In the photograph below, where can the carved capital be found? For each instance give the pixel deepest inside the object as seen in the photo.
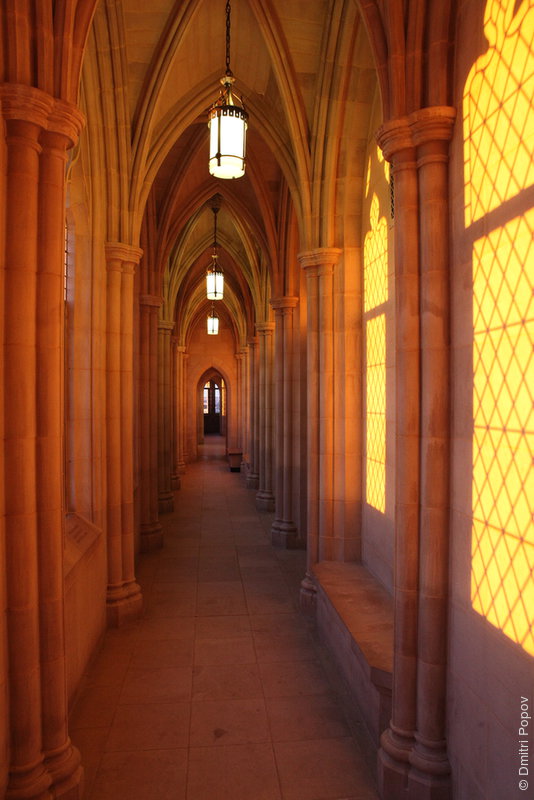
(319, 257)
(283, 303)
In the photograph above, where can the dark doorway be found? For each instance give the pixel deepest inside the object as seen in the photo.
(212, 407)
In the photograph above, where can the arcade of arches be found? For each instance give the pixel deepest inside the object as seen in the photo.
(371, 371)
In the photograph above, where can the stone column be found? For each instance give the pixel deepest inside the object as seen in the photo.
(245, 406)
(253, 363)
(283, 530)
(180, 408)
(397, 741)
(265, 497)
(238, 436)
(150, 526)
(319, 265)
(38, 129)
(175, 474)
(166, 496)
(430, 774)
(124, 595)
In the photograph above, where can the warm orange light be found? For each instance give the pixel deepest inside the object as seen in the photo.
(375, 296)
(498, 164)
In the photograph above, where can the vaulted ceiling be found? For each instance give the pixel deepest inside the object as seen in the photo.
(306, 75)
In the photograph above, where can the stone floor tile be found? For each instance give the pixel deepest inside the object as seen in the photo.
(226, 682)
(312, 717)
(142, 775)
(95, 707)
(230, 650)
(149, 726)
(172, 600)
(294, 678)
(222, 627)
(272, 647)
(239, 772)
(323, 769)
(163, 653)
(220, 597)
(165, 685)
(224, 722)
(156, 628)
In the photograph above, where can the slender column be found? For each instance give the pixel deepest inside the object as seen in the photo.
(398, 740)
(124, 595)
(61, 759)
(184, 415)
(265, 497)
(283, 530)
(25, 112)
(150, 526)
(253, 474)
(174, 399)
(245, 407)
(430, 774)
(180, 410)
(166, 497)
(238, 405)
(319, 265)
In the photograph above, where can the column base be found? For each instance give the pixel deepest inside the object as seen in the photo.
(29, 783)
(67, 772)
(308, 594)
(430, 773)
(166, 503)
(124, 604)
(175, 482)
(265, 501)
(253, 480)
(285, 535)
(181, 467)
(151, 537)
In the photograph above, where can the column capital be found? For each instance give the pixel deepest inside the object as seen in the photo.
(53, 115)
(152, 300)
(394, 136)
(319, 257)
(25, 103)
(252, 341)
(180, 348)
(432, 124)
(265, 328)
(166, 325)
(122, 257)
(283, 303)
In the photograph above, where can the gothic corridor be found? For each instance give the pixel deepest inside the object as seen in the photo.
(221, 689)
(266, 399)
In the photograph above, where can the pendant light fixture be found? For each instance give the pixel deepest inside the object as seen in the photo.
(227, 123)
(213, 322)
(214, 273)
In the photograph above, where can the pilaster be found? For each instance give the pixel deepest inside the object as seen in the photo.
(283, 531)
(265, 496)
(150, 526)
(319, 264)
(124, 594)
(39, 130)
(166, 496)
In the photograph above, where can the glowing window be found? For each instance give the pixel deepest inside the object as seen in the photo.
(375, 274)
(498, 145)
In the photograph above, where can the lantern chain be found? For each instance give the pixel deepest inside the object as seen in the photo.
(228, 70)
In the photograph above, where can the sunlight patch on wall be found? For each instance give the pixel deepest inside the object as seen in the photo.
(375, 296)
(498, 165)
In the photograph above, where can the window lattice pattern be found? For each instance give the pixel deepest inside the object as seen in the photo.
(375, 296)
(502, 585)
(376, 412)
(498, 111)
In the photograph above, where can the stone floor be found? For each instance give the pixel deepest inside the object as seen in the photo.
(221, 691)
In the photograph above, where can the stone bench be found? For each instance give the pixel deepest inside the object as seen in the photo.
(355, 621)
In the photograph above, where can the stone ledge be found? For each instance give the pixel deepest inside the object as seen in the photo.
(355, 619)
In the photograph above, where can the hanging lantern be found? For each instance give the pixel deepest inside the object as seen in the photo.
(214, 273)
(213, 322)
(227, 123)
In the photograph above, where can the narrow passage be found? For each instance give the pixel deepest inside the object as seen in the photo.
(221, 691)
